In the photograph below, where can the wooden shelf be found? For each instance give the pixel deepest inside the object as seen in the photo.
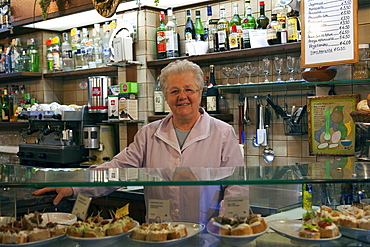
(231, 55)
(81, 72)
(224, 117)
(6, 77)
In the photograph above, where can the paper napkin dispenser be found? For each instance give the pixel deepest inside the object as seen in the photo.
(122, 49)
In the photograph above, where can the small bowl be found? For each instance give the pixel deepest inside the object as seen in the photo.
(319, 75)
(346, 143)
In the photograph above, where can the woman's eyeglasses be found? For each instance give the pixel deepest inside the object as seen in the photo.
(187, 91)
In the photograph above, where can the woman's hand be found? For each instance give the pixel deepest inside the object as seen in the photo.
(61, 191)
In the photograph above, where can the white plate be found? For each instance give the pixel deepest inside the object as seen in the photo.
(291, 228)
(37, 243)
(234, 240)
(103, 241)
(356, 233)
(60, 218)
(192, 229)
(341, 208)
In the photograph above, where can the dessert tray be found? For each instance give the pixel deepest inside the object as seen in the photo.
(102, 241)
(291, 228)
(234, 240)
(191, 227)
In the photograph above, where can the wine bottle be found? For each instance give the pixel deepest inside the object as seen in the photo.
(199, 30)
(272, 30)
(161, 37)
(158, 97)
(172, 49)
(223, 30)
(249, 22)
(262, 20)
(189, 27)
(212, 92)
(236, 20)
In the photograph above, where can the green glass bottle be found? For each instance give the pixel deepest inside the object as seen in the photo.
(223, 30)
(236, 20)
(262, 20)
(199, 30)
(249, 22)
(161, 37)
(33, 53)
(5, 106)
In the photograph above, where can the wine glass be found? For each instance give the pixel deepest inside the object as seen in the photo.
(266, 67)
(238, 70)
(290, 62)
(278, 63)
(249, 68)
(227, 71)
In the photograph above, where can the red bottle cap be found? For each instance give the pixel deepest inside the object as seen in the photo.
(262, 3)
(233, 29)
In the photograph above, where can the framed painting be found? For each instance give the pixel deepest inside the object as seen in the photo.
(331, 130)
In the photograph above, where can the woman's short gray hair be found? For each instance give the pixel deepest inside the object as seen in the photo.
(181, 67)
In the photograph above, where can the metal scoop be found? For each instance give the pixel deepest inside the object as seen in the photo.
(267, 153)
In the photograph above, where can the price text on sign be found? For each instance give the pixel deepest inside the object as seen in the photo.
(329, 32)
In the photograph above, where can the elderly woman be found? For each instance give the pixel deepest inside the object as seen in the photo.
(187, 138)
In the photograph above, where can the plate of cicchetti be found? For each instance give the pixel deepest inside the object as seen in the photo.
(31, 230)
(165, 233)
(238, 230)
(96, 231)
(315, 227)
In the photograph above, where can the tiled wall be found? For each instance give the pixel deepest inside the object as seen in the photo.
(288, 149)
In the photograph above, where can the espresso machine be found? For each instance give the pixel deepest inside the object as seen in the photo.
(100, 142)
(55, 139)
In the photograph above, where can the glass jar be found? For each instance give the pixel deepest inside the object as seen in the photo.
(362, 68)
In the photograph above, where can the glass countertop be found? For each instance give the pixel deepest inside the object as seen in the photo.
(342, 170)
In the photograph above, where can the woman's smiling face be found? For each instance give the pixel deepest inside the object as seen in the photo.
(183, 95)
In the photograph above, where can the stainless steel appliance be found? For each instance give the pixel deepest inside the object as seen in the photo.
(98, 93)
(55, 140)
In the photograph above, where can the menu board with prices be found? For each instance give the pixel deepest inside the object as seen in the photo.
(329, 32)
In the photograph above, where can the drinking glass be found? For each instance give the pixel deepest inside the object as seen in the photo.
(249, 68)
(238, 70)
(278, 63)
(290, 62)
(266, 67)
(227, 71)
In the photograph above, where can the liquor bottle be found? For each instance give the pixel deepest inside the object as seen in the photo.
(84, 42)
(106, 39)
(247, 5)
(49, 54)
(262, 20)
(208, 30)
(199, 29)
(13, 103)
(25, 61)
(174, 20)
(98, 45)
(7, 59)
(78, 57)
(249, 22)
(189, 27)
(236, 20)
(235, 42)
(282, 34)
(280, 11)
(203, 102)
(90, 53)
(172, 49)
(307, 196)
(2, 61)
(212, 92)
(158, 97)
(33, 53)
(56, 54)
(223, 30)
(67, 59)
(5, 105)
(161, 37)
(16, 53)
(272, 29)
(292, 26)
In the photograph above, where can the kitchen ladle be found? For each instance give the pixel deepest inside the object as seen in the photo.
(267, 153)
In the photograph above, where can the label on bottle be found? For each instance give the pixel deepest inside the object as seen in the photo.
(171, 37)
(307, 196)
(188, 36)
(211, 103)
(158, 102)
(222, 39)
(284, 37)
(56, 61)
(233, 38)
(271, 34)
(161, 42)
(292, 29)
(246, 34)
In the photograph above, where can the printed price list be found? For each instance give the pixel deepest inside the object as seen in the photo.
(329, 31)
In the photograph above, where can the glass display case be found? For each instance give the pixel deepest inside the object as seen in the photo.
(336, 182)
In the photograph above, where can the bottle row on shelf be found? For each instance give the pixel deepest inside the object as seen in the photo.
(220, 34)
